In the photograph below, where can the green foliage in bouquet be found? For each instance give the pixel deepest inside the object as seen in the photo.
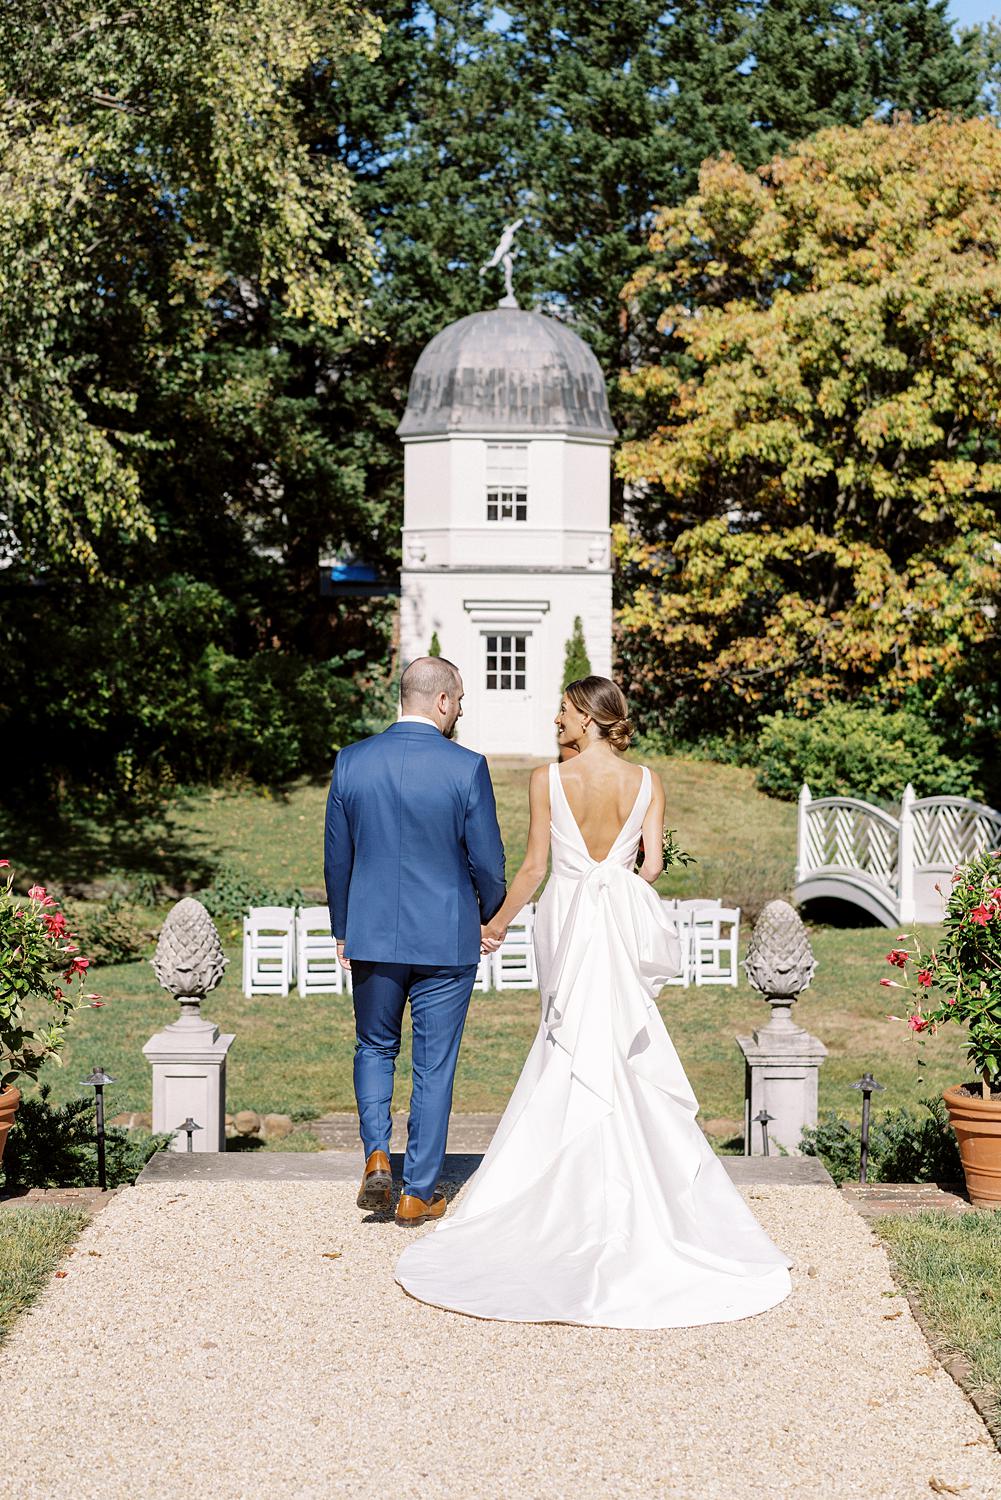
(672, 851)
(40, 962)
(960, 980)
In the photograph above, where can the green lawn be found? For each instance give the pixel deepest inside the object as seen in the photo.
(952, 1264)
(32, 1242)
(295, 1055)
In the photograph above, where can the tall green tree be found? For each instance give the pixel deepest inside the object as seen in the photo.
(822, 464)
(163, 213)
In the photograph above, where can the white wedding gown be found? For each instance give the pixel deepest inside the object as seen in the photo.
(599, 1201)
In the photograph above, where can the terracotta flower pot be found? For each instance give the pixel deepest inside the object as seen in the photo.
(10, 1098)
(977, 1123)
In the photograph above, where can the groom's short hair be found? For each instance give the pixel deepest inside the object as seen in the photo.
(428, 676)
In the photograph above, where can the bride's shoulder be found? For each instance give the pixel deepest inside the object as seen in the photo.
(654, 776)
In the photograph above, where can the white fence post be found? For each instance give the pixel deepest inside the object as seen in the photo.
(905, 857)
(805, 799)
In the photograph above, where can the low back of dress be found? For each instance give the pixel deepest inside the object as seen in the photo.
(571, 858)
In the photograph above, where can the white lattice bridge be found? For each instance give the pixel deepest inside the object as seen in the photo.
(847, 850)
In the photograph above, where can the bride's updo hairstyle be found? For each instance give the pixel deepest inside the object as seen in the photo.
(605, 703)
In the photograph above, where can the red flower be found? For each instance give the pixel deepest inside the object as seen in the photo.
(4, 864)
(981, 915)
(96, 1004)
(897, 956)
(36, 893)
(55, 923)
(925, 978)
(891, 984)
(78, 966)
(917, 1023)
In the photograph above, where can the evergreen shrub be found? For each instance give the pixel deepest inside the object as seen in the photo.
(849, 750)
(903, 1146)
(57, 1147)
(232, 892)
(111, 933)
(576, 662)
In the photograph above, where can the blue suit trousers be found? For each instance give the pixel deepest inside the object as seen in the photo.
(439, 999)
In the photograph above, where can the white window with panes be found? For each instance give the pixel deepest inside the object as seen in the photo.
(507, 482)
(506, 660)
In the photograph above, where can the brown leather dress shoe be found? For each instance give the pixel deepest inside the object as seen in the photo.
(376, 1191)
(411, 1210)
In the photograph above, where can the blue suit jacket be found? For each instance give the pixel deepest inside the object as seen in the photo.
(413, 858)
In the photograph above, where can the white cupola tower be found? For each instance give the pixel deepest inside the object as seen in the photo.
(506, 518)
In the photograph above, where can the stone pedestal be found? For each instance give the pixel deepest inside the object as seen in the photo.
(781, 1066)
(189, 1079)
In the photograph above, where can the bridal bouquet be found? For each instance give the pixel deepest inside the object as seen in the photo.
(960, 980)
(671, 851)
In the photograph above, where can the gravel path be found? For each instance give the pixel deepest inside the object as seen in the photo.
(231, 1340)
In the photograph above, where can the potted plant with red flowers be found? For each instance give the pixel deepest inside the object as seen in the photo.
(960, 981)
(42, 973)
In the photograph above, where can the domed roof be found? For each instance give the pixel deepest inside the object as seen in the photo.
(507, 370)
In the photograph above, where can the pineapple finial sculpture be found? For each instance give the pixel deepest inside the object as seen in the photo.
(189, 961)
(780, 962)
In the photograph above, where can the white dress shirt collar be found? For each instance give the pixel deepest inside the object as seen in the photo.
(417, 719)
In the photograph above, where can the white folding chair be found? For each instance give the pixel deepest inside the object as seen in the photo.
(716, 951)
(268, 950)
(316, 962)
(514, 961)
(681, 922)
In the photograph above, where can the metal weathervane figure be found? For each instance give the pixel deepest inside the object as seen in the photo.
(504, 256)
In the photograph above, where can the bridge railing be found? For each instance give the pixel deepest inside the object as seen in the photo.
(948, 830)
(845, 836)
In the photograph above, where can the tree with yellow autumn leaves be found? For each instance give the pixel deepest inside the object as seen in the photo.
(813, 508)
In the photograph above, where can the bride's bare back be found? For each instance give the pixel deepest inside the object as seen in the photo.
(601, 791)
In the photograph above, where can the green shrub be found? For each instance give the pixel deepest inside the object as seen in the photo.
(111, 933)
(50, 1147)
(847, 750)
(903, 1147)
(749, 882)
(233, 891)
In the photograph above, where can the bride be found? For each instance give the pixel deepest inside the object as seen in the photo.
(599, 1201)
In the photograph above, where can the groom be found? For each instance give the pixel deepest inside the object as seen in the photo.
(414, 865)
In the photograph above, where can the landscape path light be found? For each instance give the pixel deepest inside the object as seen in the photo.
(868, 1086)
(764, 1119)
(97, 1081)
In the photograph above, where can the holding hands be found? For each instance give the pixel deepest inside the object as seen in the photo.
(491, 936)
